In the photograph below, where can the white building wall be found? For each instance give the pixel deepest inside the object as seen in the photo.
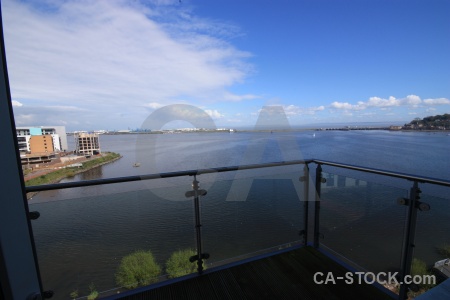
(56, 143)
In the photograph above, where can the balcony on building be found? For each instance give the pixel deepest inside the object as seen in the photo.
(273, 230)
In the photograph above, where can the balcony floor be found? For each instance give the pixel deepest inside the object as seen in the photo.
(287, 275)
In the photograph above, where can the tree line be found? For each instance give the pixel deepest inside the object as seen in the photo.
(438, 122)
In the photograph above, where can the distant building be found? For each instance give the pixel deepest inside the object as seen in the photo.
(26, 136)
(392, 127)
(87, 143)
(101, 131)
(41, 144)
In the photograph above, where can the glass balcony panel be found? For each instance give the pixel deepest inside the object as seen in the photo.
(258, 211)
(432, 242)
(80, 242)
(362, 222)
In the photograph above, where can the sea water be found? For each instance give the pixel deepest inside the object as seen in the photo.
(83, 233)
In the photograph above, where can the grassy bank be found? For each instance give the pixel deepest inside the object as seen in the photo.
(60, 174)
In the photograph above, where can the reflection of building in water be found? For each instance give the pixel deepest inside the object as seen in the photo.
(87, 143)
(333, 181)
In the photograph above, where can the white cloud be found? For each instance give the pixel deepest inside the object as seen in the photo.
(62, 122)
(290, 110)
(345, 106)
(411, 101)
(154, 105)
(16, 103)
(65, 108)
(236, 98)
(293, 110)
(118, 54)
(214, 113)
(24, 119)
(379, 102)
(438, 101)
(234, 120)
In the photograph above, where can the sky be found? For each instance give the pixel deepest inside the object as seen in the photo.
(91, 65)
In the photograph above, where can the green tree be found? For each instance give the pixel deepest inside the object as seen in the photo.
(419, 268)
(93, 292)
(137, 269)
(179, 265)
(74, 294)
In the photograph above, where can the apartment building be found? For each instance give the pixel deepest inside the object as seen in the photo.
(87, 143)
(34, 134)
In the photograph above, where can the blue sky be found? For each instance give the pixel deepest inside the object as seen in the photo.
(109, 64)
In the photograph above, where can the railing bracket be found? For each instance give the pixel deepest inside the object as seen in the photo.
(189, 194)
(195, 257)
(422, 206)
(403, 201)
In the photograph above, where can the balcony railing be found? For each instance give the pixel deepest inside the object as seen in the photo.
(372, 220)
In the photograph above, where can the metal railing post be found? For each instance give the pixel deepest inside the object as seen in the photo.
(317, 205)
(196, 193)
(408, 241)
(305, 180)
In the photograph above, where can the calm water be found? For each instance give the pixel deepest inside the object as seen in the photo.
(83, 233)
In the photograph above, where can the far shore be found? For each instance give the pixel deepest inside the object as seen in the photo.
(174, 131)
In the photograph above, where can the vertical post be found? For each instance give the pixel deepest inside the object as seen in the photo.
(317, 205)
(408, 241)
(305, 180)
(198, 225)
(196, 193)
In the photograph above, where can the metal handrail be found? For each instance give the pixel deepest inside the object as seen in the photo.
(410, 177)
(65, 185)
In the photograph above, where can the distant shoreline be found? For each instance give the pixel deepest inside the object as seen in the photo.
(279, 130)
